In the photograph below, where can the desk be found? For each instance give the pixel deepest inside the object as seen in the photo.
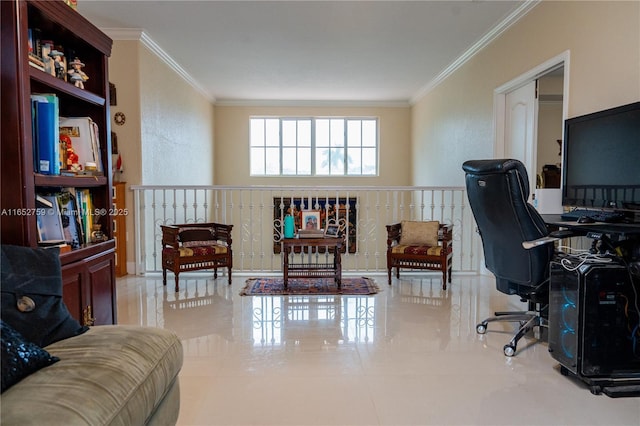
(614, 229)
(311, 269)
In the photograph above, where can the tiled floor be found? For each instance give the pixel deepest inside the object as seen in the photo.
(409, 355)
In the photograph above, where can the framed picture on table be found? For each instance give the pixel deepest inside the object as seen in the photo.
(311, 220)
(333, 230)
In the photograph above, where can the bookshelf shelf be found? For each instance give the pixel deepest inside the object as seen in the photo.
(62, 86)
(88, 271)
(69, 181)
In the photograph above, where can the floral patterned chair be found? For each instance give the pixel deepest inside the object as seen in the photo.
(196, 246)
(420, 245)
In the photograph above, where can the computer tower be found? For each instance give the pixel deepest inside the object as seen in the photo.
(593, 322)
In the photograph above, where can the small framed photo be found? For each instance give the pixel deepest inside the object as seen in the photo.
(333, 230)
(311, 220)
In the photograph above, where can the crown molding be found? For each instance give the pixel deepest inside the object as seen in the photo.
(311, 103)
(489, 37)
(140, 35)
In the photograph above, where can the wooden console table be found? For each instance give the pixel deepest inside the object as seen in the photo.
(311, 247)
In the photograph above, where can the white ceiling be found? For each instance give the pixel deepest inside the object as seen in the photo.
(333, 51)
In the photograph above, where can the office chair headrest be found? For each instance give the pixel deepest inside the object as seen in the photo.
(498, 166)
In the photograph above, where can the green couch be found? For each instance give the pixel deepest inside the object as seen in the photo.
(109, 375)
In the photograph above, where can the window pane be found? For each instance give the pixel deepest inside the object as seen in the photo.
(273, 132)
(304, 161)
(288, 161)
(256, 130)
(322, 161)
(337, 161)
(337, 132)
(289, 133)
(273, 161)
(353, 133)
(322, 132)
(369, 133)
(257, 161)
(369, 161)
(354, 164)
(304, 133)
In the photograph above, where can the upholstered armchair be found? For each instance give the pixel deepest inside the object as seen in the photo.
(420, 245)
(196, 246)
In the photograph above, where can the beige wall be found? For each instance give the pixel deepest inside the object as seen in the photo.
(177, 127)
(167, 138)
(232, 145)
(454, 122)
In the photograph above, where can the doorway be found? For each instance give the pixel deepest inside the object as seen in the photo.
(525, 131)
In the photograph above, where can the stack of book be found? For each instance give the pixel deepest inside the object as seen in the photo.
(53, 157)
(310, 233)
(65, 217)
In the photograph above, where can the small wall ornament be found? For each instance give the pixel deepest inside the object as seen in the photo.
(119, 118)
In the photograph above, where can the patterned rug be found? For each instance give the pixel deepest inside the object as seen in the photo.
(308, 286)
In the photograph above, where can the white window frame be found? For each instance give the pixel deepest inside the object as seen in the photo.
(264, 148)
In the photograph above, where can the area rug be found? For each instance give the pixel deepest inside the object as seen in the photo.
(309, 286)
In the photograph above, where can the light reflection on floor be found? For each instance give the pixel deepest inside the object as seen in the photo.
(407, 355)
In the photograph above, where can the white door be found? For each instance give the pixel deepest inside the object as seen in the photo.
(521, 110)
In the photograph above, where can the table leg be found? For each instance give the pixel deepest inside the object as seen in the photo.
(286, 268)
(337, 264)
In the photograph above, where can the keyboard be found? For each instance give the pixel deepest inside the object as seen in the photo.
(597, 215)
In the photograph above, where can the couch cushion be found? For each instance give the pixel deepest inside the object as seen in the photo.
(111, 375)
(31, 281)
(418, 233)
(20, 357)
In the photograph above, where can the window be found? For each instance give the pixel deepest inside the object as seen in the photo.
(313, 146)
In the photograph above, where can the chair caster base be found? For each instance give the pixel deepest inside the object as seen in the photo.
(481, 328)
(509, 350)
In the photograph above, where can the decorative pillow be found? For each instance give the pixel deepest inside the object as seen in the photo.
(194, 237)
(20, 357)
(31, 284)
(415, 233)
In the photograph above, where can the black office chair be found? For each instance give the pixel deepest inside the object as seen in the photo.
(498, 191)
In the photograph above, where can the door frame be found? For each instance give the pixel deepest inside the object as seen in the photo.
(500, 96)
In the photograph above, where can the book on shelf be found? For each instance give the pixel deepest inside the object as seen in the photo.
(45, 131)
(84, 202)
(49, 220)
(60, 218)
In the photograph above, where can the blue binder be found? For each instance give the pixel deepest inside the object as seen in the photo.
(46, 136)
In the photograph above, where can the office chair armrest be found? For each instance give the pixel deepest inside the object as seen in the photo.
(553, 236)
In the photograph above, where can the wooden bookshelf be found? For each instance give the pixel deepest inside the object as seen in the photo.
(88, 270)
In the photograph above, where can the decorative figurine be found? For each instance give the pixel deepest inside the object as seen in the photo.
(72, 158)
(57, 63)
(76, 75)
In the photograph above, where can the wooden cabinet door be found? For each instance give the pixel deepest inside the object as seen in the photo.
(101, 272)
(74, 283)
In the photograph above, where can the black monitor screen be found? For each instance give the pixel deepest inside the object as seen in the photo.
(601, 162)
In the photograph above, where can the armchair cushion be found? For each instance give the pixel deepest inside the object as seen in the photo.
(207, 250)
(417, 233)
(194, 237)
(420, 250)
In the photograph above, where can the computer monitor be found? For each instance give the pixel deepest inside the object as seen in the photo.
(601, 160)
